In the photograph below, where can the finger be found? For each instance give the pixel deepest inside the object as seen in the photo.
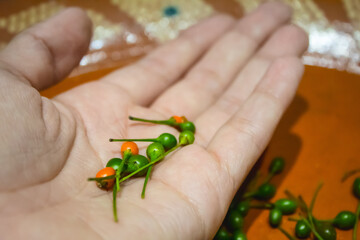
(146, 79)
(209, 180)
(243, 138)
(47, 52)
(276, 47)
(215, 71)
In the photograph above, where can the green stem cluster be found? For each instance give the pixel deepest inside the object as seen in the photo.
(306, 224)
(262, 193)
(135, 165)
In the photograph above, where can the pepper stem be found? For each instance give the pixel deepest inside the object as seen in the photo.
(314, 197)
(101, 178)
(269, 177)
(117, 178)
(165, 122)
(310, 210)
(127, 155)
(294, 219)
(248, 194)
(133, 140)
(262, 206)
(349, 174)
(357, 214)
(115, 190)
(146, 181)
(327, 221)
(286, 233)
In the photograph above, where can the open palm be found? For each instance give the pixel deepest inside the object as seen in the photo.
(233, 79)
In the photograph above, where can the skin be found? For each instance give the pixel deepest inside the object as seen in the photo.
(235, 94)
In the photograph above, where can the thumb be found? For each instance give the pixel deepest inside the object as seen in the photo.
(34, 145)
(46, 53)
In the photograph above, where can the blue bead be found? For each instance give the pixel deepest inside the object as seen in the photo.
(171, 11)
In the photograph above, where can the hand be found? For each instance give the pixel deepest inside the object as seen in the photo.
(240, 77)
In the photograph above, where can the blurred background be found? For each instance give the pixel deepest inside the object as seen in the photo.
(319, 135)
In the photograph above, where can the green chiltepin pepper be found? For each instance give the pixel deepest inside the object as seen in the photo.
(115, 163)
(187, 126)
(286, 206)
(325, 229)
(155, 150)
(239, 235)
(302, 230)
(275, 217)
(135, 162)
(186, 138)
(243, 207)
(265, 191)
(277, 165)
(345, 220)
(234, 220)
(222, 234)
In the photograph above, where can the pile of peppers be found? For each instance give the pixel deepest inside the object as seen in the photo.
(307, 226)
(133, 164)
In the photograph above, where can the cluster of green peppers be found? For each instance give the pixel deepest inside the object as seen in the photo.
(118, 170)
(307, 226)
